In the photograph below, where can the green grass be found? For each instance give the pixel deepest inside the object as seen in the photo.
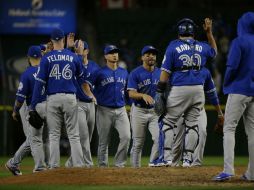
(27, 164)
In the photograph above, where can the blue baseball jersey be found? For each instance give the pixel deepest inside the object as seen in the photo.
(209, 87)
(59, 69)
(89, 69)
(145, 82)
(26, 86)
(110, 86)
(239, 75)
(186, 53)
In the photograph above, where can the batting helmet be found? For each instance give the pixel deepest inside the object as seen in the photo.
(186, 27)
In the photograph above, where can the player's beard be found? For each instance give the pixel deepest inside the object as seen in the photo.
(151, 62)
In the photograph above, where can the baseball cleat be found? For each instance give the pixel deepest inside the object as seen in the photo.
(222, 177)
(167, 163)
(186, 163)
(159, 164)
(244, 178)
(13, 169)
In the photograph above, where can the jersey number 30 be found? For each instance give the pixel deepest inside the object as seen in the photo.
(66, 73)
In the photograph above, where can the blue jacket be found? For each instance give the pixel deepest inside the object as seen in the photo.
(239, 76)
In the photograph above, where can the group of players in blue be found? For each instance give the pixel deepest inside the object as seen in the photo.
(64, 87)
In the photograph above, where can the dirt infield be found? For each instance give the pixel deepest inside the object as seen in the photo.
(129, 176)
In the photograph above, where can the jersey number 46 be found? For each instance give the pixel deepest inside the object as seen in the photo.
(66, 73)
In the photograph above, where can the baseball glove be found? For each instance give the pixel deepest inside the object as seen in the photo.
(160, 104)
(35, 120)
(218, 128)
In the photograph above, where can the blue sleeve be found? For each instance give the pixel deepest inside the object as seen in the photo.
(91, 79)
(132, 82)
(211, 53)
(23, 90)
(40, 82)
(167, 63)
(233, 62)
(210, 90)
(80, 71)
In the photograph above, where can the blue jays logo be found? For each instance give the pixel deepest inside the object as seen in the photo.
(37, 4)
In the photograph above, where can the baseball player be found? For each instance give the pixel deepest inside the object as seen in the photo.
(238, 84)
(183, 60)
(33, 142)
(58, 70)
(110, 91)
(86, 110)
(142, 88)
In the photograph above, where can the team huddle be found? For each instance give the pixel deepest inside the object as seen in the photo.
(62, 88)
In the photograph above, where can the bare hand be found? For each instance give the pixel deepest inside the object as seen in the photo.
(49, 47)
(148, 99)
(79, 49)
(70, 40)
(15, 116)
(208, 25)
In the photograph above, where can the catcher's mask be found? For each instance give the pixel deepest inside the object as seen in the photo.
(186, 27)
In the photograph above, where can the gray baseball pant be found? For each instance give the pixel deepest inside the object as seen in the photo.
(86, 122)
(62, 109)
(237, 106)
(117, 118)
(187, 100)
(141, 119)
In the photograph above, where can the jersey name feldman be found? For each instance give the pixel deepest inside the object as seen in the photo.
(186, 47)
(112, 79)
(53, 58)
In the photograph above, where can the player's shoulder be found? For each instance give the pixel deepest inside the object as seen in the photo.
(122, 70)
(137, 70)
(93, 63)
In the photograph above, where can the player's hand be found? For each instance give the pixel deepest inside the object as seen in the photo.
(148, 99)
(218, 128)
(49, 47)
(79, 47)
(16, 116)
(70, 40)
(208, 25)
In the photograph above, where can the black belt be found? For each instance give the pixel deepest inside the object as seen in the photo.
(142, 106)
(187, 68)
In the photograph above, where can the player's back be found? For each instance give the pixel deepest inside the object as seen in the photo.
(63, 66)
(240, 65)
(184, 58)
(27, 83)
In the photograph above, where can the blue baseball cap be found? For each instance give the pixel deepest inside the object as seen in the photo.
(57, 34)
(34, 51)
(43, 47)
(86, 45)
(149, 48)
(110, 49)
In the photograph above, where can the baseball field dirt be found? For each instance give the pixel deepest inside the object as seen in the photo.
(199, 176)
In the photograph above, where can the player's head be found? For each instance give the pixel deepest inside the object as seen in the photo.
(149, 54)
(186, 27)
(111, 53)
(57, 36)
(34, 55)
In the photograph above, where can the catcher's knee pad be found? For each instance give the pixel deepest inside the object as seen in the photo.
(188, 130)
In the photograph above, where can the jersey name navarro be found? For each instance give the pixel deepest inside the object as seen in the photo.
(186, 47)
(53, 58)
(112, 80)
